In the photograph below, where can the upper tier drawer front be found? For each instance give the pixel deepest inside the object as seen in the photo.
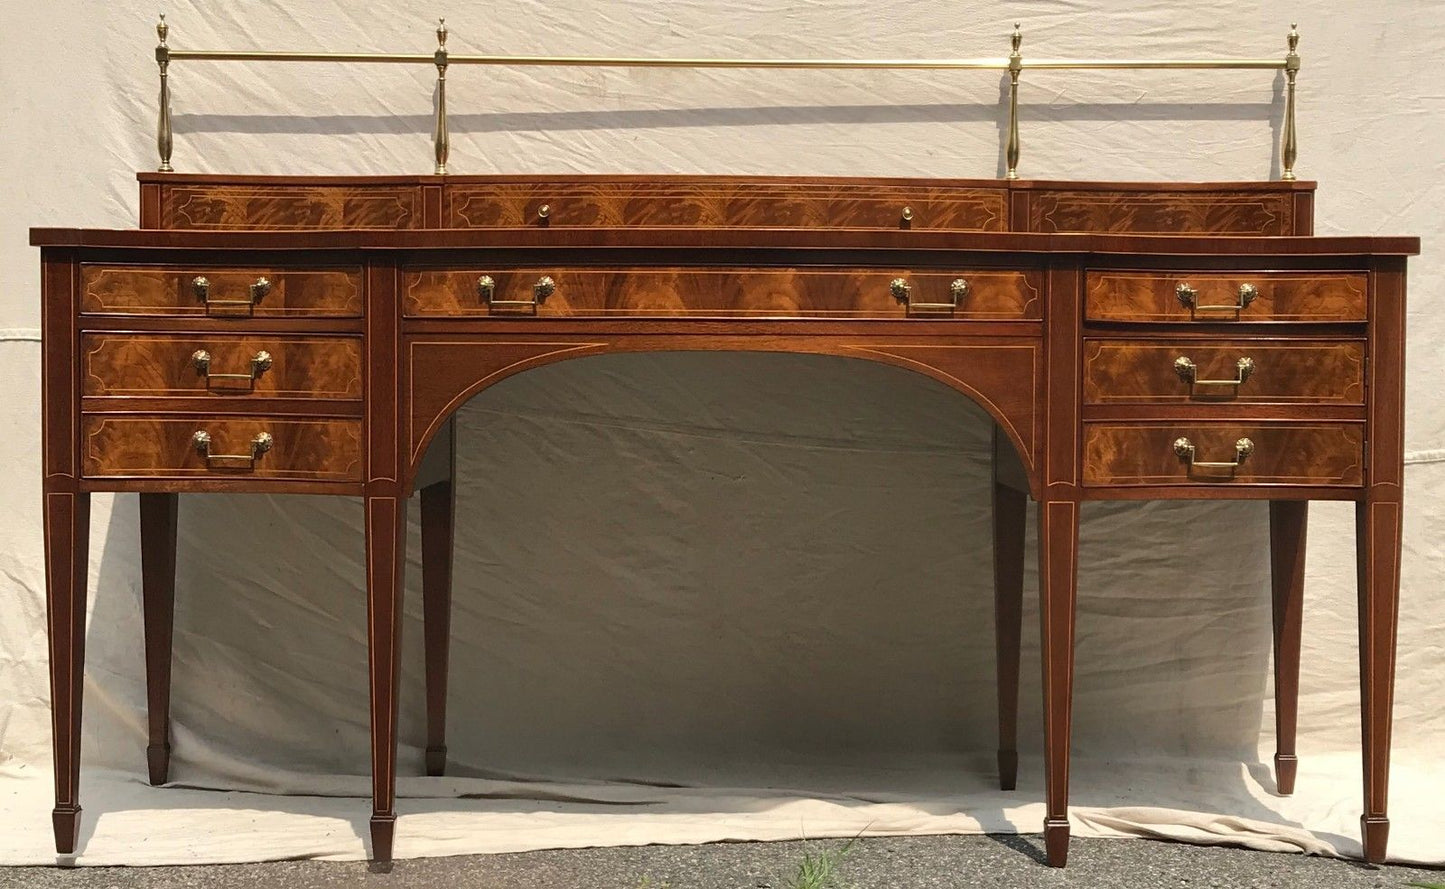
(735, 205)
(1226, 296)
(1130, 371)
(289, 206)
(735, 292)
(226, 292)
(131, 364)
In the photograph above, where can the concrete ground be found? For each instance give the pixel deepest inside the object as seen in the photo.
(1006, 862)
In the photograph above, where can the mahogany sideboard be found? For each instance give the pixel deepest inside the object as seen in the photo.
(316, 335)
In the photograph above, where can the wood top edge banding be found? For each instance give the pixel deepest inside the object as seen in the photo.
(565, 238)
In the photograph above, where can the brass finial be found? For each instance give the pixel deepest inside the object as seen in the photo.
(1015, 67)
(1291, 73)
(163, 118)
(441, 141)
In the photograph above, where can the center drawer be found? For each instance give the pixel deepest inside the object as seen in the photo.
(262, 366)
(979, 294)
(721, 203)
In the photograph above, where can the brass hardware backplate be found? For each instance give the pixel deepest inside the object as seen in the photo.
(262, 443)
(1189, 373)
(487, 289)
(1189, 298)
(1184, 449)
(903, 292)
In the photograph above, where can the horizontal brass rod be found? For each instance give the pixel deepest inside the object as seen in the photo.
(581, 61)
(605, 62)
(622, 62)
(258, 56)
(1083, 64)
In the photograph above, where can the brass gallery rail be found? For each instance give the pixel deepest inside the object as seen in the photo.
(1014, 63)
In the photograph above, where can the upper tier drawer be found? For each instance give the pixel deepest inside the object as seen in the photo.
(283, 204)
(228, 292)
(131, 364)
(1225, 296)
(1131, 371)
(723, 204)
(734, 292)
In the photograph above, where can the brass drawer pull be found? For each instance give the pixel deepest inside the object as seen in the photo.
(543, 212)
(1184, 450)
(201, 286)
(487, 288)
(903, 292)
(1189, 298)
(260, 363)
(1187, 371)
(201, 441)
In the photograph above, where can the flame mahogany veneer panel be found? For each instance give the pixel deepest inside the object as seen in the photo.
(724, 204)
(124, 289)
(1281, 296)
(1120, 371)
(128, 446)
(163, 365)
(1284, 453)
(1163, 212)
(285, 206)
(993, 294)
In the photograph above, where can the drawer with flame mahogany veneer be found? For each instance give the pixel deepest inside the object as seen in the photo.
(264, 366)
(655, 201)
(1224, 453)
(129, 446)
(990, 294)
(1307, 296)
(1134, 371)
(228, 291)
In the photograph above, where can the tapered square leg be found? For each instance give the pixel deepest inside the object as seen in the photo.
(1056, 841)
(1375, 837)
(158, 597)
(438, 506)
(385, 563)
(1286, 767)
(1377, 535)
(66, 822)
(436, 760)
(1058, 562)
(1287, 526)
(67, 536)
(1009, 514)
(383, 831)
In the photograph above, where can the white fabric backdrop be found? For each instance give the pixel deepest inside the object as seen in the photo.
(707, 597)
